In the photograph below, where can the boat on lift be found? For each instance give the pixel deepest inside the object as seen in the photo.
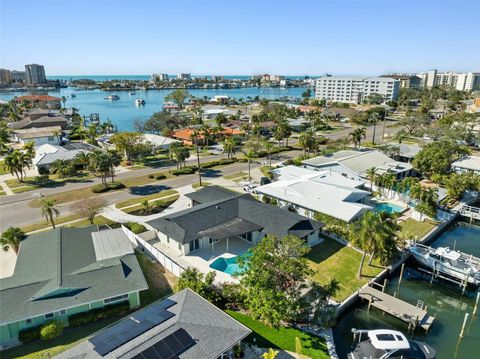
(140, 101)
(388, 344)
(112, 97)
(452, 263)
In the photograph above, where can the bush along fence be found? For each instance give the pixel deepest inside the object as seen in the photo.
(168, 263)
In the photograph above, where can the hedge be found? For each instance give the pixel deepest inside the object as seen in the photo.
(136, 228)
(100, 188)
(29, 335)
(51, 330)
(117, 309)
(160, 177)
(184, 171)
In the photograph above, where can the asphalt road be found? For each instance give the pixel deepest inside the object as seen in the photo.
(15, 211)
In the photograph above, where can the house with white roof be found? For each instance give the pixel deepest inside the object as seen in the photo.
(158, 141)
(308, 192)
(39, 136)
(46, 154)
(355, 164)
(467, 164)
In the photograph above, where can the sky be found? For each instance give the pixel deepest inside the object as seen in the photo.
(230, 37)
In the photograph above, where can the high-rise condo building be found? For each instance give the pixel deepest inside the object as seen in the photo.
(462, 81)
(406, 80)
(355, 89)
(35, 74)
(19, 76)
(5, 77)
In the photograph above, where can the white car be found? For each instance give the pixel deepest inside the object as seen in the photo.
(249, 188)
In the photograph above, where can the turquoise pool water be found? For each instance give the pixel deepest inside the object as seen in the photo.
(388, 207)
(227, 265)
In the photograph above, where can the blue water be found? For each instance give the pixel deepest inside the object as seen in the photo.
(388, 207)
(227, 265)
(124, 112)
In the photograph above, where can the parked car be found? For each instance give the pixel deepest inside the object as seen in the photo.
(264, 181)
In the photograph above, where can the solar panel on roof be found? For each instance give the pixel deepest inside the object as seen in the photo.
(169, 347)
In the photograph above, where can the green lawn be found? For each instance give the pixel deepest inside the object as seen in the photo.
(331, 259)
(138, 200)
(282, 338)
(197, 184)
(415, 229)
(3, 171)
(235, 176)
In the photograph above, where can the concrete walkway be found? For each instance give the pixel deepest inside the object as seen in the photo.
(6, 189)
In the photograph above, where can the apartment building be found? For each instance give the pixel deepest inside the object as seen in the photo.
(5, 77)
(407, 81)
(462, 81)
(35, 74)
(355, 89)
(19, 76)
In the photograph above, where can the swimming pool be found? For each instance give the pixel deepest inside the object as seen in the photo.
(227, 265)
(388, 207)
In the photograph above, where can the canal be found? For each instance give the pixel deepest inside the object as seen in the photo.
(443, 299)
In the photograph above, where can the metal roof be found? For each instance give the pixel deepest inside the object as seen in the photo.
(111, 244)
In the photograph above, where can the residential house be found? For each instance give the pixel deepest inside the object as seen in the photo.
(46, 154)
(40, 136)
(467, 164)
(185, 134)
(159, 142)
(65, 271)
(406, 152)
(308, 192)
(355, 164)
(42, 101)
(38, 118)
(184, 326)
(222, 217)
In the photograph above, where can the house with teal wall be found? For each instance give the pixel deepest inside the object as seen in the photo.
(65, 271)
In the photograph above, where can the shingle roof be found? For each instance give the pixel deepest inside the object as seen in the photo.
(59, 261)
(187, 225)
(213, 331)
(211, 193)
(36, 132)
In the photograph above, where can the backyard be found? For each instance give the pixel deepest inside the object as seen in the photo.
(415, 229)
(282, 338)
(332, 260)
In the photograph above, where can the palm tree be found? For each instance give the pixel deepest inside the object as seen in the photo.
(82, 159)
(249, 156)
(64, 99)
(49, 210)
(400, 136)
(16, 162)
(305, 141)
(371, 175)
(229, 146)
(362, 236)
(62, 168)
(373, 118)
(268, 146)
(357, 135)
(195, 136)
(29, 150)
(11, 239)
(58, 134)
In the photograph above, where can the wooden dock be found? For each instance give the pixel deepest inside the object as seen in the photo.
(415, 316)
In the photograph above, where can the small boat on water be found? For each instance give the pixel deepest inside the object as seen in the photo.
(391, 344)
(73, 95)
(132, 93)
(140, 101)
(112, 97)
(455, 264)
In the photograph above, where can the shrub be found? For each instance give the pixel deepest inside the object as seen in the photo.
(51, 330)
(117, 309)
(136, 228)
(184, 171)
(100, 188)
(151, 175)
(160, 177)
(29, 335)
(242, 160)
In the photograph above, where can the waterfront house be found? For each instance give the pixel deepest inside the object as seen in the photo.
(65, 271)
(183, 325)
(306, 192)
(226, 219)
(42, 101)
(39, 136)
(467, 164)
(355, 164)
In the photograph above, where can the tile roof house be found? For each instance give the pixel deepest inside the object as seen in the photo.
(220, 219)
(43, 101)
(183, 326)
(65, 271)
(355, 164)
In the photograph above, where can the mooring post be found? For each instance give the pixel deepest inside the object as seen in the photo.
(454, 244)
(401, 273)
(384, 285)
(464, 324)
(476, 303)
(465, 285)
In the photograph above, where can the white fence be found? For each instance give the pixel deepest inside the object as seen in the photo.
(163, 259)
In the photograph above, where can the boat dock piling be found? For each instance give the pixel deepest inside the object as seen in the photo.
(413, 315)
(465, 319)
(476, 304)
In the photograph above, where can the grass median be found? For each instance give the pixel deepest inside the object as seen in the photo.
(132, 201)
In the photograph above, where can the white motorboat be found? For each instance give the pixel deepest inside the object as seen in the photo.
(112, 97)
(444, 260)
(391, 344)
(140, 101)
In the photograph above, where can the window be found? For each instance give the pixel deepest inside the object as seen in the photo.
(63, 312)
(115, 299)
(49, 315)
(50, 138)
